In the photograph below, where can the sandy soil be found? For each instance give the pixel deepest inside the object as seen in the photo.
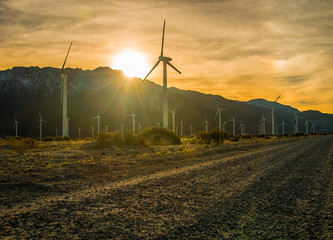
(272, 190)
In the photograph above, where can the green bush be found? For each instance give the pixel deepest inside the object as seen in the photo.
(159, 136)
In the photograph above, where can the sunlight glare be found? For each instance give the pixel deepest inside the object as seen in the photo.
(132, 63)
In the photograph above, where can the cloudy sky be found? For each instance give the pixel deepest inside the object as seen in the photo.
(240, 49)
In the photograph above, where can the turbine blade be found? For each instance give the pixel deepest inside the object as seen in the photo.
(63, 66)
(277, 98)
(173, 67)
(163, 39)
(156, 64)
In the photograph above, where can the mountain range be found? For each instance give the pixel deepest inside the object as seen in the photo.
(26, 91)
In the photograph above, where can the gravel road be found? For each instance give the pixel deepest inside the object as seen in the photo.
(275, 191)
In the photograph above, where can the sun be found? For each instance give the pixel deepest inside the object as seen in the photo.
(132, 63)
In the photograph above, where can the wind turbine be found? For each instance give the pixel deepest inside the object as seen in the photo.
(307, 126)
(242, 128)
(41, 126)
(313, 128)
(133, 121)
(218, 112)
(296, 123)
(206, 124)
(173, 112)
(225, 122)
(263, 125)
(98, 117)
(233, 125)
(191, 129)
(139, 127)
(79, 132)
(16, 126)
(92, 131)
(166, 61)
(283, 125)
(273, 118)
(181, 127)
(65, 122)
(122, 131)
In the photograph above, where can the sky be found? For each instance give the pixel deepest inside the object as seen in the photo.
(239, 49)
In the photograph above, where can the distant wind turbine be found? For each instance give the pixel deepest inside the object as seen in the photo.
(307, 126)
(273, 117)
(41, 126)
(133, 121)
(313, 128)
(92, 131)
(242, 128)
(79, 132)
(16, 127)
(296, 123)
(98, 117)
(173, 112)
(283, 126)
(263, 125)
(206, 123)
(218, 112)
(225, 122)
(122, 131)
(181, 127)
(65, 123)
(233, 125)
(166, 61)
(191, 130)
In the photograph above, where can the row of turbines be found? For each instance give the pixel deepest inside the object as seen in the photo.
(166, 62)
(136, 127)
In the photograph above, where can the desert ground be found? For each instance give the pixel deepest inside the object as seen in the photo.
(276, 189)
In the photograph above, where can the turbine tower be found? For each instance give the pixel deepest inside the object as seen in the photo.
(263, 125)
(181, 127)
(41, 126)
(98, 117)
(166, 61)
(218, 112)
(307, 126)
(283, 125)
(233, 125)
(273, 118)
(173, 112)
(296, 123)
(206, 124)
(191, 130)
(65, 122)
(16, 126)
(242, 128)
(133, 121)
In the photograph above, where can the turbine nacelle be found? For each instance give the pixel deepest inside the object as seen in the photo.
(164, 59)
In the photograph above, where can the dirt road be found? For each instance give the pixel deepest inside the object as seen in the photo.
(282, 190)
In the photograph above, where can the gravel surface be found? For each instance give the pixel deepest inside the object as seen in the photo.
(278, 190)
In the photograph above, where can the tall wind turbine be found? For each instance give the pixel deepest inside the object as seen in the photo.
(98, 117)
(173, 112)
(133, 121)
(273, 118)
(41, 126)
(218, 112)
(166, 61)
(16, 126)
(65, 122)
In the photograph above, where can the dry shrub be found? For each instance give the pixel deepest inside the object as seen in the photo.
(21, 145)
(160, 136)
(214, 136)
